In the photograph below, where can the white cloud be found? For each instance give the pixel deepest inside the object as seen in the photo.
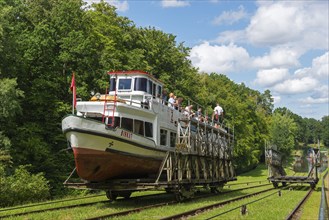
(310, 100)
(174, 3)
(271, 77)
(119, 5)
(220, 59)
(296, 86)
(318, 70)
(302, 24)
(320, 66)
(230, 17)
(319, 96)
(278, 57)
(231, 37)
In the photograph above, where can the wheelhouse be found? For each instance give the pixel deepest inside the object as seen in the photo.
(135, 83)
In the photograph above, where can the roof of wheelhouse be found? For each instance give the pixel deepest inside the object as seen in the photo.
(135, 72)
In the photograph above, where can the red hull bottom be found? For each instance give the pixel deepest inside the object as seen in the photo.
(94, 165)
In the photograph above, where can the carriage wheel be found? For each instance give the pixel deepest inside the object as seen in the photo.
(112, 196)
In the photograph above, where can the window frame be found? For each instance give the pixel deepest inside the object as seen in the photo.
(124, 79)
(161, 139)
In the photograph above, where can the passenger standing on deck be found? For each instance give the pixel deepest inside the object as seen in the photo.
(218, 111)
(176, 103)
(179, 103)
(164, 96)
(199, 114)
(188, 111)
(171, 100)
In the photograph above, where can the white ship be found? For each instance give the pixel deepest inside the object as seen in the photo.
(125, 133)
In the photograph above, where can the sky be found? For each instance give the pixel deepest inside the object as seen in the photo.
(282, 46)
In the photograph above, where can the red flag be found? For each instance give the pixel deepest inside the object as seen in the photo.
(73, 89)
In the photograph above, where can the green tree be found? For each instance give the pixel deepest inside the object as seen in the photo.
(325, 130)
(22, 187)
(283, 132)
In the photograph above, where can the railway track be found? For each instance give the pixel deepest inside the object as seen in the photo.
(245, 183)
(199, 210)
(127, 212)
(49, 203)
(240, 206)
(66, 206)
(294, 213)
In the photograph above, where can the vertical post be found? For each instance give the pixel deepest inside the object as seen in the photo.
(73, 89)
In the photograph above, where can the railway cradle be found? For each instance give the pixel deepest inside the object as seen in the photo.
(277, 174)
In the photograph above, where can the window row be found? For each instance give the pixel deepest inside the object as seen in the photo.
(136, 126)
(167, 137)
(140, 84)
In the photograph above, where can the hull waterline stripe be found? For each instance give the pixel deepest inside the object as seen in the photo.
(132, 155)
(112, 137)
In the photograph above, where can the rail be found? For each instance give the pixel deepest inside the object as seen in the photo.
(299, 205)
(323, 210)
(154, 104)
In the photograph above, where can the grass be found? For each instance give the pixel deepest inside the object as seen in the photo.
(311, 209)
(273, 207)
(68, 212)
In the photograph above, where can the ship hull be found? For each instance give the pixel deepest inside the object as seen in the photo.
(101, 154)
(95, 165)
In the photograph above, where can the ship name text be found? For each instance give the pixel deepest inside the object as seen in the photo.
(126, 134)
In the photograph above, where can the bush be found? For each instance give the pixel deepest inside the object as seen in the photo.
(22, 187)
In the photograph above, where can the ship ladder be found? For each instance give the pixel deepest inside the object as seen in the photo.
(109, 108)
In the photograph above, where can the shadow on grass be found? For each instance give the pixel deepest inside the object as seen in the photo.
(260, 170)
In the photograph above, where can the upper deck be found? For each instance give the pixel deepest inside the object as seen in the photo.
(139, 84)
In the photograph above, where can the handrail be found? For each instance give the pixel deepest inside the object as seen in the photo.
(323, 210)
(148, 105)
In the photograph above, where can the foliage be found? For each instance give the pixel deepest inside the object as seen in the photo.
(43, 41)
(325, 130)
(282, 132)
(22, 186)
(9, 99)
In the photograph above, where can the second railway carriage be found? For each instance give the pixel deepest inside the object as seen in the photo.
(130, 139)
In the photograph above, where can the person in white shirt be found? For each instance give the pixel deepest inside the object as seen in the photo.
(188, 110)
(171, 100)
(218, 111)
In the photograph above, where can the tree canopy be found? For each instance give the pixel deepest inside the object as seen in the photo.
(43, 41)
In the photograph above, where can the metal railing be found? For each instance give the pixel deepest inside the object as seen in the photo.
(323, 210)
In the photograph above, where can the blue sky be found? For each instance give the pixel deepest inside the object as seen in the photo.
(277, 45)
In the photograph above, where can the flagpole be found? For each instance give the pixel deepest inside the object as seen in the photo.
(73, 89)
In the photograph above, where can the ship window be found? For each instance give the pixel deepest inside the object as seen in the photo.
(139, 127)
(172, 139)
(116, 122)
(112, 84)
(127, 123)
(159, 91)
(163, 137)
(148, 129)
(140, 84)
(124, 84)
(154, 89)
(149, 87)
